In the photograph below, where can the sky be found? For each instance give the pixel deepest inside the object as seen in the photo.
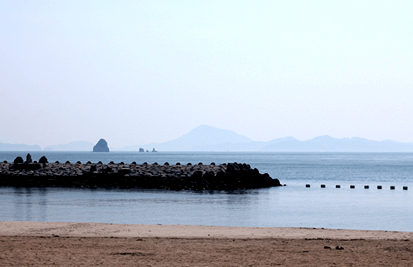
(136, 72)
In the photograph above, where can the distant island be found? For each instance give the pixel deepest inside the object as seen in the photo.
(208, 138)
(19, 147)
(72, 146)
(101, 146)
(143, 150)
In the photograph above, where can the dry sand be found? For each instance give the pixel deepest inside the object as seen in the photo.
(77, 244)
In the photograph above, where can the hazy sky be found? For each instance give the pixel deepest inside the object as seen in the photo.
(136, 72)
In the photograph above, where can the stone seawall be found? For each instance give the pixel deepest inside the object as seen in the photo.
(229, 176)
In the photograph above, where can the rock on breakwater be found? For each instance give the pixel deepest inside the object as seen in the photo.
(229, 176)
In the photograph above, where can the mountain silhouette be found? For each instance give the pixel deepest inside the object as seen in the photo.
(208, 138)
(19, 147)
(202, 138)
(72, 146)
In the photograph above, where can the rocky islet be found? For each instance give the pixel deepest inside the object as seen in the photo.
(101, 146)
(229, 176)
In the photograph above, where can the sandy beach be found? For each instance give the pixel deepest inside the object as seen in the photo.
(98, 244)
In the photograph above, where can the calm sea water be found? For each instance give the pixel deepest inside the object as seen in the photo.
(290, 206)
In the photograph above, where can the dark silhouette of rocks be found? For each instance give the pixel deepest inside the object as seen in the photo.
(153, 150)
(141, 150)
(101, 146)
(19, 164)
(231, 176)
(43, 160)
(28, 159)
(93, 168)
(18, 160)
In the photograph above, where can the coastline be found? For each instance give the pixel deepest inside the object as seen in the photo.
(73, 229)
(87, 244)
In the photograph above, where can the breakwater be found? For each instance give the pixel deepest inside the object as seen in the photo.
(229, 176)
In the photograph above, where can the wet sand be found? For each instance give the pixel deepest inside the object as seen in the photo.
(89, 244)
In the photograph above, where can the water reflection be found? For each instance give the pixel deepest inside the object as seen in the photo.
(42, 204)
(17, 201)
(290, 206)
(27, 201)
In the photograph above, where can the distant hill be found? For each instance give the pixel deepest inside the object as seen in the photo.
(19, 147)
(202, 138)
(330, 144)
(207, 138)
(72, 146)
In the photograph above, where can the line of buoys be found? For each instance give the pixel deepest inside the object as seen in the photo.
(365, 186)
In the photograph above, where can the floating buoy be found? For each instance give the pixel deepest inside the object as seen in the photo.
(323, 186)
(338, 186)
(405, 187)
(379, 187)
(366, 187)
(307, 185)
(392, 187)
(352, 186)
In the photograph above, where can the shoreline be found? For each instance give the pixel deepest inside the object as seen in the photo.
(73, 229)
(100, 244)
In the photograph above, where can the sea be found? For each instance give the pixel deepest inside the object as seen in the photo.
(293, 205)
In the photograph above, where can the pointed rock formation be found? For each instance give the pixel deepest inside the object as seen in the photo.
(101, 146)
(29, 159)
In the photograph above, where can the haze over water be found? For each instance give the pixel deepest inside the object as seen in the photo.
(137, 72)
(290, 206)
